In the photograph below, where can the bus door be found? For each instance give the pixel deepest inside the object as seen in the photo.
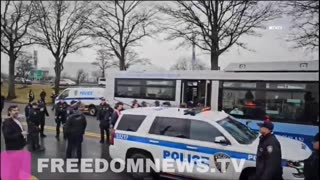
(196, 92)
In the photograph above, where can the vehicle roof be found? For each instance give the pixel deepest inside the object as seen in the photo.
(219, 75)
(176, 112)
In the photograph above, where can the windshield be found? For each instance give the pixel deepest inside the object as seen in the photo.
(238, 130)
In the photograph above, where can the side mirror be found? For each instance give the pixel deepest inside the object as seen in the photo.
(220, 140)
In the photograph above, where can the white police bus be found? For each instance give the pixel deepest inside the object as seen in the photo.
(287, 93)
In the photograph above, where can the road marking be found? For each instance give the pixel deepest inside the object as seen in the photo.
(52, 128)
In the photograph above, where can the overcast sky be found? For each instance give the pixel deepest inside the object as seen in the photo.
(272, 46)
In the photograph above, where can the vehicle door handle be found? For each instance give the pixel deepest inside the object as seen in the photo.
(191, 147)
(153, 141)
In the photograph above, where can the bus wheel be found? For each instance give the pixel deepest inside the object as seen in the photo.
(92, 110)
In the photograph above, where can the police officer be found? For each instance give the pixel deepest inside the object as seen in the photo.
(33, 127)
(104, 115)
(60, 115)
(268, 164)
(43, 114)
(311, 165)
(74, 130)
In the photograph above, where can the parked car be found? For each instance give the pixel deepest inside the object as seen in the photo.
(67, 82)
(22, 81)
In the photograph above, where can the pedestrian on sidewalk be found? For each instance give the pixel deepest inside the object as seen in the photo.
(13, 131)
(311, 165)
(74, 130)
(31, 95)
(53, 98)
(116, 113)
(43, 95)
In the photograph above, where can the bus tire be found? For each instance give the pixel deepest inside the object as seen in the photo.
(92, 110)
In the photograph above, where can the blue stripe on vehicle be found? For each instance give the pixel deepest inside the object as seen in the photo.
(181, 146)
(80, 98)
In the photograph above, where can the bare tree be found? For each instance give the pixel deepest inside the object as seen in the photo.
(103, 60)
(186, 64)
(214, 26)
(95, 75)
(120, 25)
(132, 58)
(81, 76)
(62, 28)
(24, 65)
(16, 18)
(305, 28)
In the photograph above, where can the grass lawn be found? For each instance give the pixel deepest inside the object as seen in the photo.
(22, 92)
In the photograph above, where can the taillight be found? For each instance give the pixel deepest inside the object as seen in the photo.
(113, 132)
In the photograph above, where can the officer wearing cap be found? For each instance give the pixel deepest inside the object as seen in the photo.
(104, 116)
(33, 127)
(311, 165)
(268, 164)
(60, 115)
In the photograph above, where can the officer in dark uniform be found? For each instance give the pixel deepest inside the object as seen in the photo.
(33, 127)
(268, 164)
(74, 130)
(60, 115)
(43, 114)
(104, 115)
(311, 165)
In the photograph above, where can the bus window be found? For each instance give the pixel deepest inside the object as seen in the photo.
(281, 102)
(146, 89)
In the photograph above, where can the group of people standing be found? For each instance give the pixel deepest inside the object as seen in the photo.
(73, 121)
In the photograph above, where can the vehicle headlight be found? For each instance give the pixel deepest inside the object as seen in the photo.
(298, 165)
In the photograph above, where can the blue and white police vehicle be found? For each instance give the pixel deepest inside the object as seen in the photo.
(180, 134)
(88, 96)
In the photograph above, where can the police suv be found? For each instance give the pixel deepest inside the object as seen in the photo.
(188, 135)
